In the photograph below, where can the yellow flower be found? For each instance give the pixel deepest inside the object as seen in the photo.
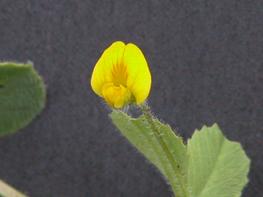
(121, 76)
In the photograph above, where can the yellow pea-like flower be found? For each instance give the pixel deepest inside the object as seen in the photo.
(122, 76)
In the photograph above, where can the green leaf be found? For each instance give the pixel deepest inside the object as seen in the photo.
(210, 165)
(139, 133)
(22, 96)
(217, 167)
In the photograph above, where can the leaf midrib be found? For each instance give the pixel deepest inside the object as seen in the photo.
(213, 168)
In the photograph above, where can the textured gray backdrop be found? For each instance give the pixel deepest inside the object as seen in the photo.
(206, 59)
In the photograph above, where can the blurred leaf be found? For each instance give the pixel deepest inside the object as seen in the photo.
(22, 96)
(8, 191)
(217, 167)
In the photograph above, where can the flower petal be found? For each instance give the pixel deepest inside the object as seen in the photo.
(102, 72)
(139, 76)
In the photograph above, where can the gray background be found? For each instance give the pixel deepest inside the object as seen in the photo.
(207, 66)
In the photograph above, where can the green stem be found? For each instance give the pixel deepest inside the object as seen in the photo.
(146, 110)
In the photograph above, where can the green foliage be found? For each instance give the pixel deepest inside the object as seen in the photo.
(217, 166)
(22, 96)
(209, 166)
(139, 133)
